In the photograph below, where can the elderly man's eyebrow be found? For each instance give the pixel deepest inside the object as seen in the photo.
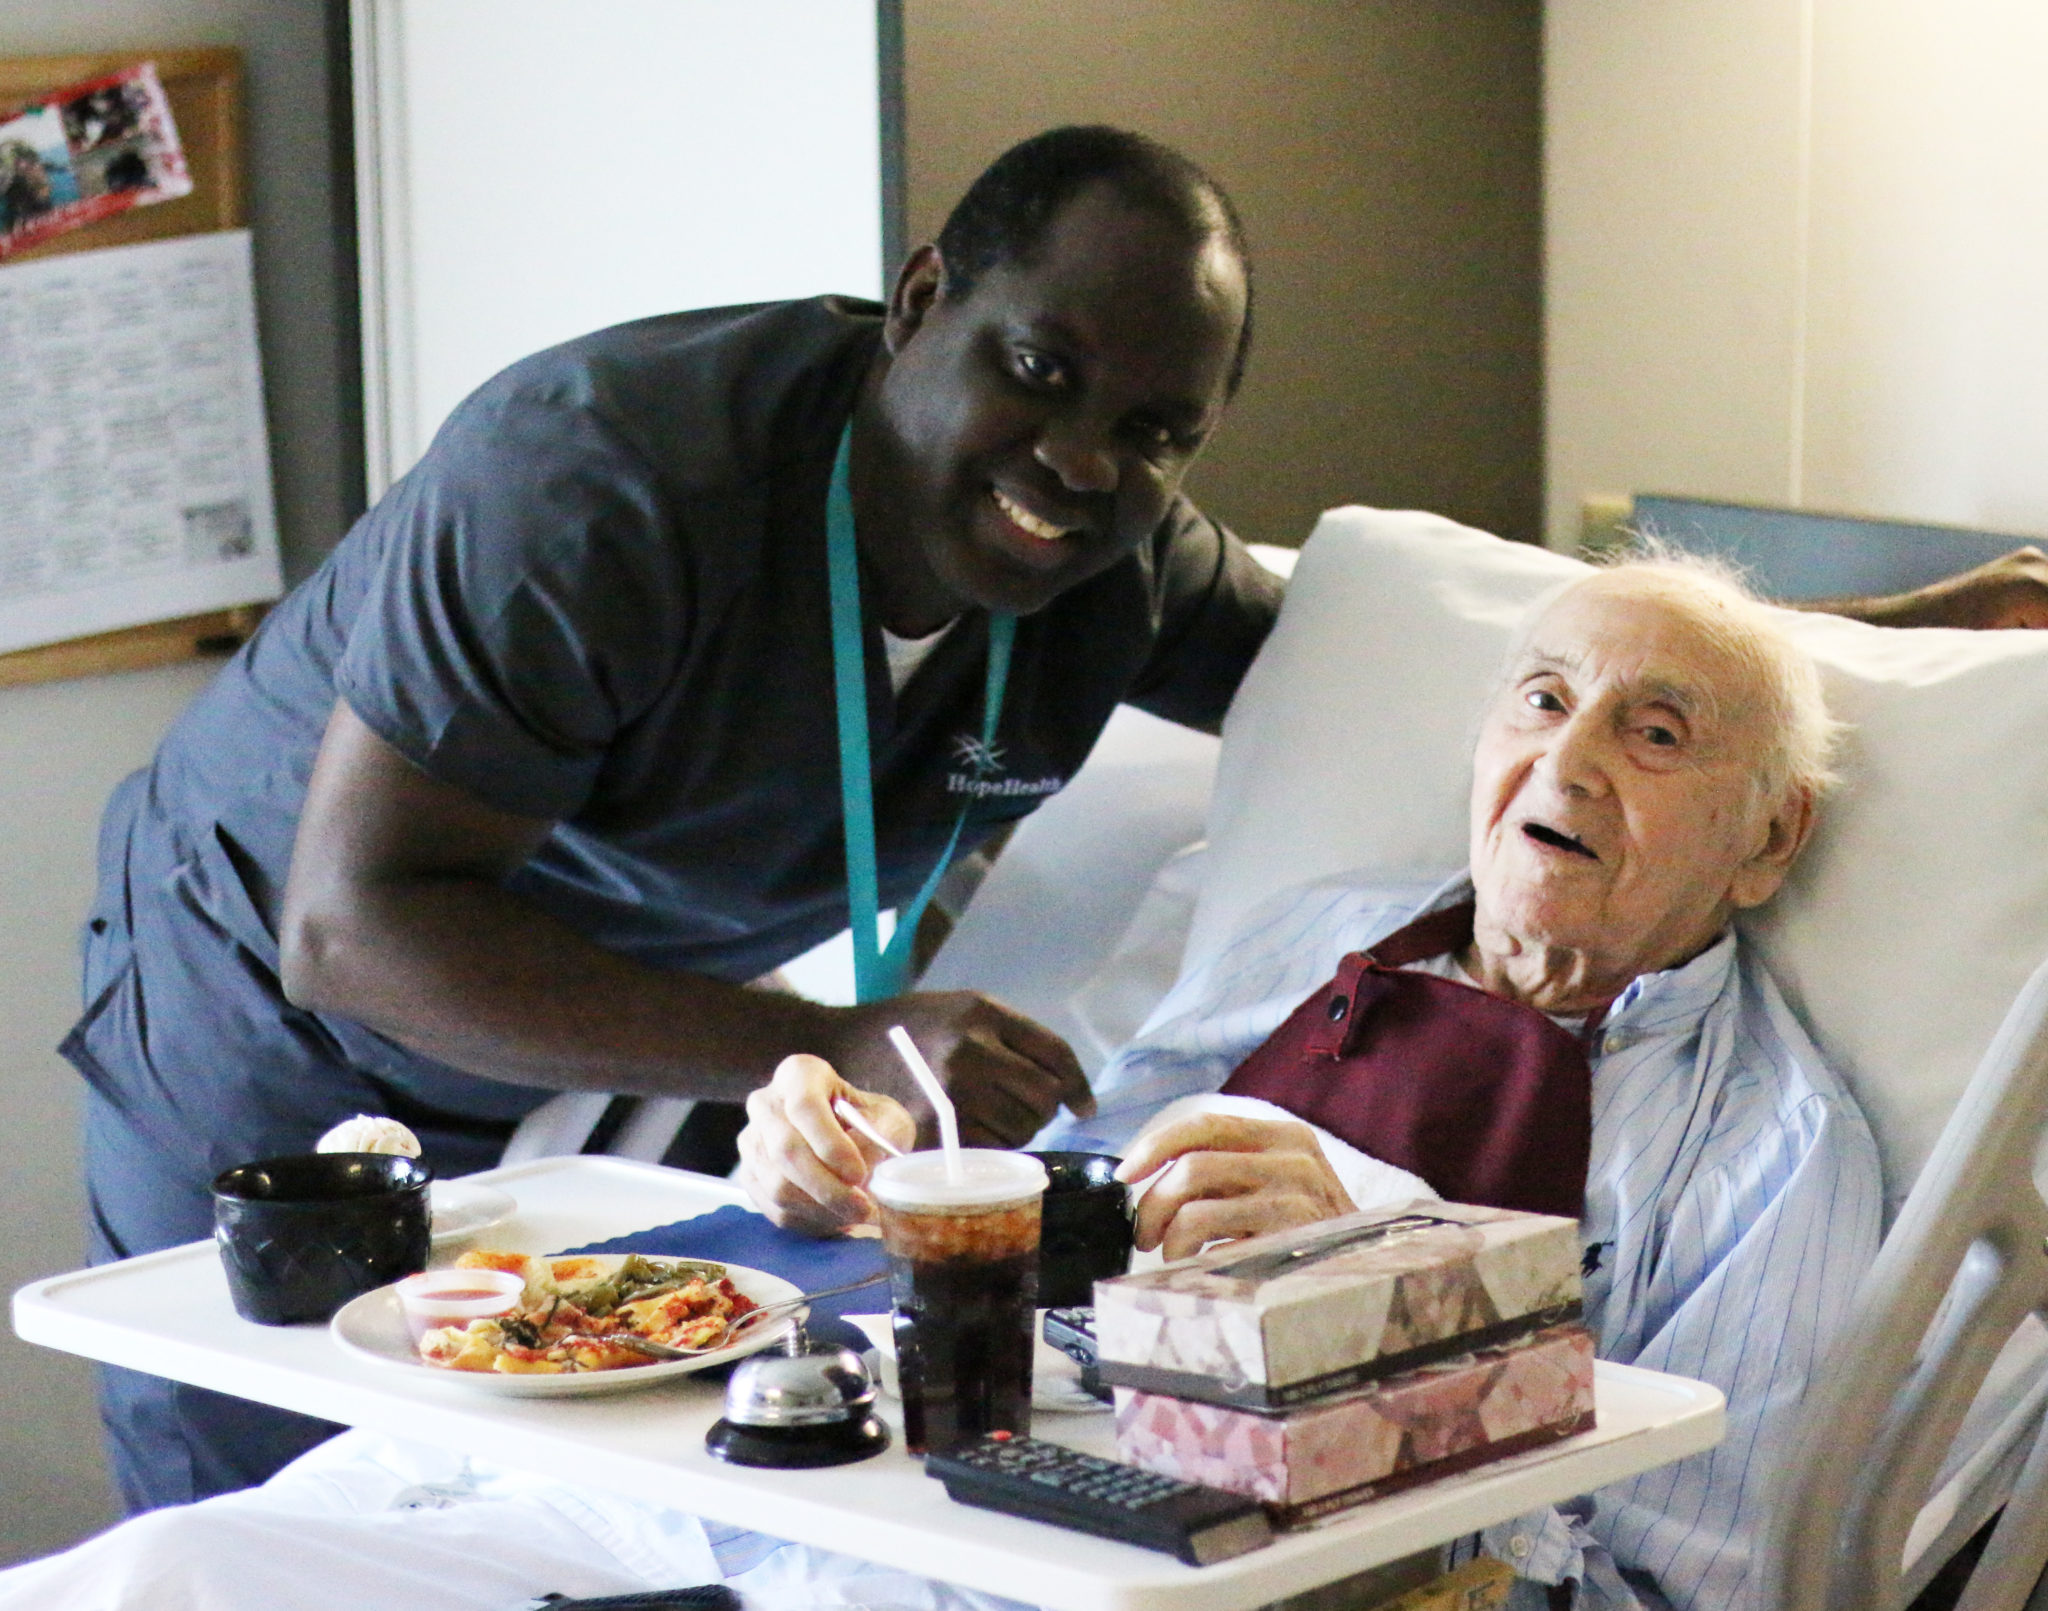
(1687, 696)
(1690, 699)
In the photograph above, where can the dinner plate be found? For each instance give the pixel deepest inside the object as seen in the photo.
(461, 1209)
(372, 1327)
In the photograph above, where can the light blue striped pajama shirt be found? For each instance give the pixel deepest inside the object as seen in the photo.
(1733, 1201)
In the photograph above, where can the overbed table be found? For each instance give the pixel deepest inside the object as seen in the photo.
(168, 1313)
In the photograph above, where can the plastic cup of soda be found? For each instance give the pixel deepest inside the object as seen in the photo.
(963, 1282)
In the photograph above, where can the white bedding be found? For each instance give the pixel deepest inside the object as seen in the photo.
(366, 1523)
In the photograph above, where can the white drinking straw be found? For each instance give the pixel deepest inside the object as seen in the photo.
(935, 1093)
(860, 1121)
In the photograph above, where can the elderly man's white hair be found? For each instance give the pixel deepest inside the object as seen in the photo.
(1716, 597)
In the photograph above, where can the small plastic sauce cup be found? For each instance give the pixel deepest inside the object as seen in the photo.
(456, 1297)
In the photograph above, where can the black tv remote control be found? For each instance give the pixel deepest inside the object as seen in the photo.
(1048, 1482)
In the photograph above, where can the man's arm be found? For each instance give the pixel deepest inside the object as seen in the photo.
(396, 914)
(2008, 592)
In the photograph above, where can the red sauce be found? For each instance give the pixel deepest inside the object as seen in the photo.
(464, 1294)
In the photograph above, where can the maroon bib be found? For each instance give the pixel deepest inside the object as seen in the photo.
(1487, 1100)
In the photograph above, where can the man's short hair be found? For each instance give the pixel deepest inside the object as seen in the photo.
(1006, 212)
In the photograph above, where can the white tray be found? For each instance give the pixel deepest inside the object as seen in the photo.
(168, 1313)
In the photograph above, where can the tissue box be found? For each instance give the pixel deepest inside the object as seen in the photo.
(1340, 1452)
(1294, 1315)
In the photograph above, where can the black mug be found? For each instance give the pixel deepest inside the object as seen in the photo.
(300, 1236)
(1085, 1231)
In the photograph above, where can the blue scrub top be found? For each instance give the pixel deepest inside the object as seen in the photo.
(600, 600)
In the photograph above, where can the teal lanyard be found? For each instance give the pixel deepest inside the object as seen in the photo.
(877, 972)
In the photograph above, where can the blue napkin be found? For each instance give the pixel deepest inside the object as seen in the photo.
(735, 1235)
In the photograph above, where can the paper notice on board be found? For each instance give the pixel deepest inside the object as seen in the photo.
(134, 470)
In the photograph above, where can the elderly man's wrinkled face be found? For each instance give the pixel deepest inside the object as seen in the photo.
(1614, 811)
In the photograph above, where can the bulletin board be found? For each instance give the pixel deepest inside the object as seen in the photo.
(205, 91)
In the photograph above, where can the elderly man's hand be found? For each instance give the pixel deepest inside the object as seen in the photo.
(1222, 1177)
(805, 1169)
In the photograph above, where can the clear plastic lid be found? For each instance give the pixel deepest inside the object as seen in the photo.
(988, 1179)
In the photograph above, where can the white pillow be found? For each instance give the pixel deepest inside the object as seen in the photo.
(1904, 933)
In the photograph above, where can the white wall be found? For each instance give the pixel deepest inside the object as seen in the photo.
(62, 746)
(531, 172)
(1793, 255)
(1927, 375)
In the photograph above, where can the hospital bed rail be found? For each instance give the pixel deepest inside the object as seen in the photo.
(1965, 1263)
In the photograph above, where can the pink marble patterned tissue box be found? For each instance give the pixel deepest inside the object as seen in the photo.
(1342, 1451)
(1296, 1315)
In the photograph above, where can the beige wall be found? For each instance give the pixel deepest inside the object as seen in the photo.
(63, 746)
(1795, 255)
(1385, 155)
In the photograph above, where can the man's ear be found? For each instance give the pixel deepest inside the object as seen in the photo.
(1785, 835)
(919, 288)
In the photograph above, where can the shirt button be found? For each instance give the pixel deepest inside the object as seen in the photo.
(1613, 1044)
(1338, 1007)
(1518, 1546)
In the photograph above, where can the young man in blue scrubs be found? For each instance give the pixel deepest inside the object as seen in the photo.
(525, 785)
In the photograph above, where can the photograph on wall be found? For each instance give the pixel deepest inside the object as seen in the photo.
(85, 152)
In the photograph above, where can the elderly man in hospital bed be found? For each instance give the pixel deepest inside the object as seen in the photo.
(1649, 763)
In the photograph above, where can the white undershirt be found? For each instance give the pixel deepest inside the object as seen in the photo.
(907, 654)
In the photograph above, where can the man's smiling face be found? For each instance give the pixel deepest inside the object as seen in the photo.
(1034, 431)
(1614, 803)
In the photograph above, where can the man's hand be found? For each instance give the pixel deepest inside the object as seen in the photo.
(2009, 592)
(1226, 1177)
(1005, 1074)
(805, 1169)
